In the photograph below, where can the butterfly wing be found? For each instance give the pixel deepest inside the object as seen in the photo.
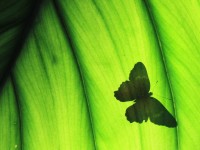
(137, 87)
(126, 92)
(136, 112)
(139, 77)
(138, 70)
(158, 114)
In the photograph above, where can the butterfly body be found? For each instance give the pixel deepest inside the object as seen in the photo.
(145, 107)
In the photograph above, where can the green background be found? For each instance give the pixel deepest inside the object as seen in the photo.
(62, 60)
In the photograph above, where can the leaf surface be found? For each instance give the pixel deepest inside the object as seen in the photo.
(74, 55)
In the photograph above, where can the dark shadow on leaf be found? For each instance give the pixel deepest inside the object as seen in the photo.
(17, 21)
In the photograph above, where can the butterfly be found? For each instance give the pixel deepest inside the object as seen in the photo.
(145, 106)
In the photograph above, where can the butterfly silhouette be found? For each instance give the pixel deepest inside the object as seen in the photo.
(137, 88)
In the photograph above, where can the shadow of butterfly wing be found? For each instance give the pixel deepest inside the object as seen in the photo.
(150, 108)
(138, 70)
(126, 92)
(159, 114)
(137, 87)
(136, 112)
(140, 79)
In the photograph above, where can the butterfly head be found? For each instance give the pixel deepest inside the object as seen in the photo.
(143, 95)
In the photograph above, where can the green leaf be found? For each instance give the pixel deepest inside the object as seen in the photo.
(15, 23)
(75, 54)
(9, 116)
(54, 111)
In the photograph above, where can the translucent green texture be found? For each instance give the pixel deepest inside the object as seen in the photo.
(76, 56)
(16, 20)
(180, 38)
(50, 90)
(9, 116)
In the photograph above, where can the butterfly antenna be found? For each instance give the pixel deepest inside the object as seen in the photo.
(157, 94)
(162, 97)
